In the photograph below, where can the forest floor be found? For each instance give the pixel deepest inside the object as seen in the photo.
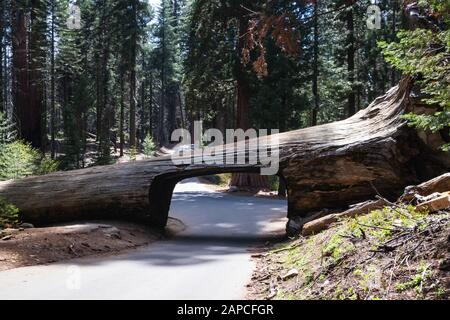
(37, 246)
(220, 183)
(383, 255)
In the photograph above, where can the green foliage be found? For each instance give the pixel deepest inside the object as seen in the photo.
(149, 146)
(274, 183)
(416, 281)
(19, 160)
(438, 8)
(9, 214)
(47, 165)
(381, 222)
(222, 179)
(187, 63)
(103, 157)
(283, 98)
(8, 131)
(132, 153)
(377, 225)
(336, 247)
(424, 55)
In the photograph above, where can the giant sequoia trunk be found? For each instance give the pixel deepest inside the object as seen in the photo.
(27, 118)
(37, 59)
(245, 180)
(327, 166)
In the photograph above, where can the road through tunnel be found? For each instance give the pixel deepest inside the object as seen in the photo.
(162, 197)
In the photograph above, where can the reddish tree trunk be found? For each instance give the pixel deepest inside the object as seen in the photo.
(122, 114)
(35, 107)
(245, 180)
(20, 72)
(315, 86)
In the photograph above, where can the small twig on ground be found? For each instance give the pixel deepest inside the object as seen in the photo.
(407, 256)
(287, 248)
(397, 208)
(422, 277)
(376, 227)
(391, 276)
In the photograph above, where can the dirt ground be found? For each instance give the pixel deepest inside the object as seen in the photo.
(36, 246)
(239, 193)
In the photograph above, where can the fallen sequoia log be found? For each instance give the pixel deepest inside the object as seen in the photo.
(431, 196)
(328, 166)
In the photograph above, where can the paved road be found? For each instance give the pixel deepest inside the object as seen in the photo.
(209, 260)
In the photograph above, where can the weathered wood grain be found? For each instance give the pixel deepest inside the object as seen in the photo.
(327, 166)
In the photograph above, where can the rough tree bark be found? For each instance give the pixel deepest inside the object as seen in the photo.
(315, 86)
(351, 104)
(244, 180)
(327, 166)
(133, 53)
(37, 59)
(2, 80)
(52, 82)
(122, 114)
(20, 72)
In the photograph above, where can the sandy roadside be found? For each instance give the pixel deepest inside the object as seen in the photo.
(37, 246)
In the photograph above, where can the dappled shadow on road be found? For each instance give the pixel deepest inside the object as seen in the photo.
(188, 250)
(194, 196)
(220, 214)
(219, 227)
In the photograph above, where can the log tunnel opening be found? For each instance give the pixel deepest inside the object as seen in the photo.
(162, 188)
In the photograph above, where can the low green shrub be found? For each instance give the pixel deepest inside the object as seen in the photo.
(149, 146)
(19, 160)
(132, 152)
(9, 214)
(47, 165)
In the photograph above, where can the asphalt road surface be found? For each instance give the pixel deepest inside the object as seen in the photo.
(209, 260)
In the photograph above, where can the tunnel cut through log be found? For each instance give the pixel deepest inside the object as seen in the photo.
(327, 166)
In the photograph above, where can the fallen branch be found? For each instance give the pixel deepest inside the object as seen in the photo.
(324, 223)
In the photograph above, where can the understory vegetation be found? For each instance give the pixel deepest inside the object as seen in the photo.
(9, 214)
(424, 54)
(223, 180)
(99, 78)
(18, 159)
(86, 81)
(394, 253)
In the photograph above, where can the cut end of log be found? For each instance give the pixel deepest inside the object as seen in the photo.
(330, 166)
